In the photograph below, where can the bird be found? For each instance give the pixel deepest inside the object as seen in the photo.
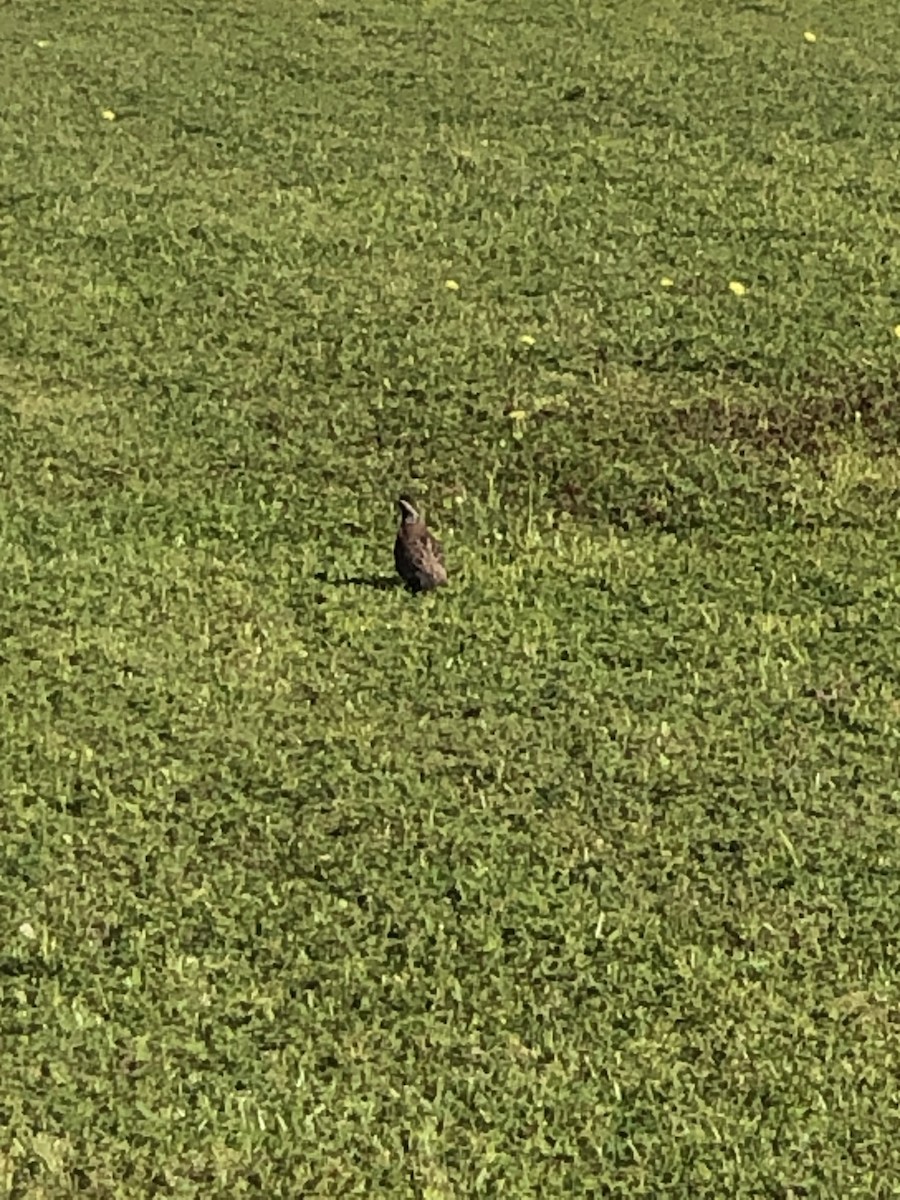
(418, 555)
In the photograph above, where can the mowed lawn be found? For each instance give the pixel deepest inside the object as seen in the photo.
(580, 877)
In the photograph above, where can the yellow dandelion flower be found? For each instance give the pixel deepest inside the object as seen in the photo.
(897, 331)
(667, 282)
(526, 339)
(451, 285)
(108, 114)
(809, 36)
(42, 43)
(517, 414)
(737, 287)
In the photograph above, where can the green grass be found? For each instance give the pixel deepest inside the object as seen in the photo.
(582, 876)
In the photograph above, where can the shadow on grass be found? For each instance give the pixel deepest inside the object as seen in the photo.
(379, 583)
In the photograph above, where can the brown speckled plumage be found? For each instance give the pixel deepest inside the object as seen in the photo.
(418, 555)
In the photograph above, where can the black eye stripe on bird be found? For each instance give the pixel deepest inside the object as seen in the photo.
(418, 555)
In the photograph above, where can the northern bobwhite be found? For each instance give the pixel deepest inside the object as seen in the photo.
(418, 555)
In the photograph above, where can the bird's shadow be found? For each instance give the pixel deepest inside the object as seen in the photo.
(378, 583)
